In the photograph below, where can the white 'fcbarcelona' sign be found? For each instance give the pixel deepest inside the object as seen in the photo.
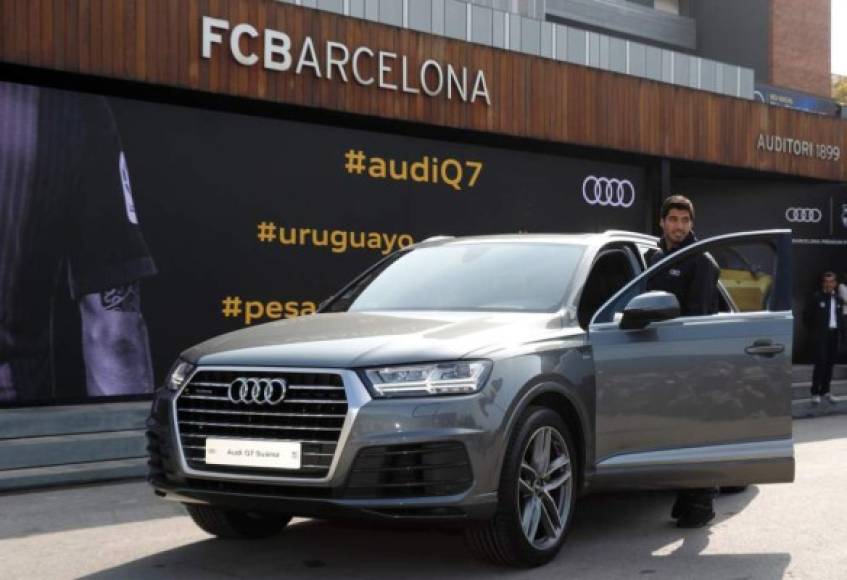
(331, 59)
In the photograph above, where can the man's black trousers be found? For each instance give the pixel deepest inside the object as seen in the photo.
(826, 348)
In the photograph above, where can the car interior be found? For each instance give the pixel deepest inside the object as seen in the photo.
(612, 269)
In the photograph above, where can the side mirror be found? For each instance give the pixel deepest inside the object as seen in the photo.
(649, 307)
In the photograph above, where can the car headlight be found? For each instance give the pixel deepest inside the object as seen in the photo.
(178, 374)
(450, 378)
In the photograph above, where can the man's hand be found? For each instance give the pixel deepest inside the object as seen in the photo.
(115, 344)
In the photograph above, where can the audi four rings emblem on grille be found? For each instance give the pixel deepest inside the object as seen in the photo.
(259, 391)
(608, 191)
(803, 215)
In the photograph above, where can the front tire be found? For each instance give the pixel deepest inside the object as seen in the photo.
(236, 524)
(537, 494)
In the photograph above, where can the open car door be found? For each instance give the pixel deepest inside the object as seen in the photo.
(697, 401)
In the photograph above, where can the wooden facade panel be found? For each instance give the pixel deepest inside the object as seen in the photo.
(183, 43)
(174, 28)
(58, 32)
(159, 41)
(124, 42)
(33, 28)
(146, 37)
(96, 35)
(46, 24)
(108, 24)
(7, 19)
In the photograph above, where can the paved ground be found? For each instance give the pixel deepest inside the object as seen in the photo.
(796, 531)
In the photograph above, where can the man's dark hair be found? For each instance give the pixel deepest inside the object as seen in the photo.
(829, 274)
(677, 202)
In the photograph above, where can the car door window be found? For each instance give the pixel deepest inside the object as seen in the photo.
(746, 269)
(747, 273)
(611, 271)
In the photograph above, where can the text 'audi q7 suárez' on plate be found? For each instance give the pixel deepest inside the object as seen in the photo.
(487, 381)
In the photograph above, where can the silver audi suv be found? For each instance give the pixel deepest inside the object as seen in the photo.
(487, 381)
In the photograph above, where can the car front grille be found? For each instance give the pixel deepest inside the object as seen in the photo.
(312, 413)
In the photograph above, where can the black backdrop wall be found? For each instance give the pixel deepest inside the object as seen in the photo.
(250, 219)
(265, 218)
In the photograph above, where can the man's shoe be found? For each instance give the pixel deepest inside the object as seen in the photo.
(695, 520)
(830, 398)
(676, 509)
(694, 508)
(816, 400)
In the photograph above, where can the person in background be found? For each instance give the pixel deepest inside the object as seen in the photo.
(824, 320)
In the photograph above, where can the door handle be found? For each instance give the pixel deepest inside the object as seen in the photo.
(764, 347)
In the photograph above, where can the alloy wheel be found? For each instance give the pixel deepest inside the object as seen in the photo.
(545, 486)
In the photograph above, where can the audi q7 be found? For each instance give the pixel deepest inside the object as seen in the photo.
(488, 381)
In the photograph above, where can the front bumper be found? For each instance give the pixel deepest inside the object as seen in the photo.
(441, 426)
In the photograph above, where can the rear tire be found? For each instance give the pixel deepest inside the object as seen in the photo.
(537, 493)
(236, 524)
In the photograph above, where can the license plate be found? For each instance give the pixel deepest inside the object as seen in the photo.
(252, 453)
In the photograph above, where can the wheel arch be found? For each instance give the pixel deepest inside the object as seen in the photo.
(555, 393)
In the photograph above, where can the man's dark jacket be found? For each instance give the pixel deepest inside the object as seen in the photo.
(816, 314)
(693, 281)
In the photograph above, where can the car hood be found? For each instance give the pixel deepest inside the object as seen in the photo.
(359, 339)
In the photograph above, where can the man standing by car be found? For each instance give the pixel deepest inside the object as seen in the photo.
(694, 283)
(825, 323)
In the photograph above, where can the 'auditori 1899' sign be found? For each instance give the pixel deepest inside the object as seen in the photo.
(331, 59)
(798, 147)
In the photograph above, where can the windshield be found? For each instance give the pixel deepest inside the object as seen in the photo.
(530, 277)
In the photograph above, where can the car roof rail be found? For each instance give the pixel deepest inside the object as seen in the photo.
(628, 233)
(436, 239)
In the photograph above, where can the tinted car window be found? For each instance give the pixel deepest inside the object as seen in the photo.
(483, 276)
(746, 271)
(611, 271)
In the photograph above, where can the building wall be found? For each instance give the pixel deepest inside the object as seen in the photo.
(735, 32)
(158, 42)
(592, 40)
(800, 45)
(671, 6)
(653, 23)
(529, 8)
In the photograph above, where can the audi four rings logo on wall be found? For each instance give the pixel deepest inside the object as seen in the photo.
(608, 191)
(259, 391)
(803, 215)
